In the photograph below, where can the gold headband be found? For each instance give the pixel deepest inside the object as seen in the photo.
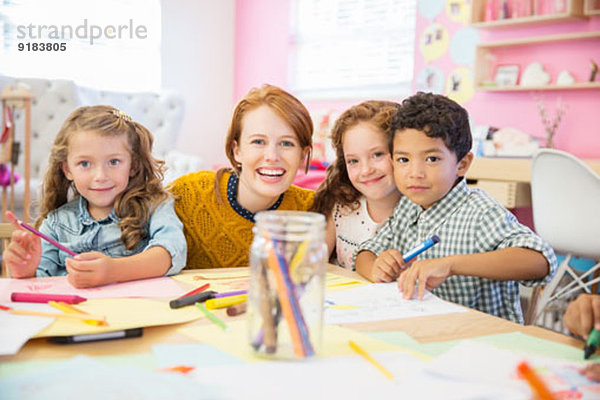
(122, 115)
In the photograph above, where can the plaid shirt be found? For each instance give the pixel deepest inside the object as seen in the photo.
(467, 221)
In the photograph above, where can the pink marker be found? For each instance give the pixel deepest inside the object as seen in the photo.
(45, 297)
(49, 239)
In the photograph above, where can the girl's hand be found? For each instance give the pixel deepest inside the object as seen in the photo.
(430, 274)
(22, 256)
(583, 314)
(90, 270)
(388, 266)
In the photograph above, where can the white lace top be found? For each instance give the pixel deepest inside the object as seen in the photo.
(351, 229)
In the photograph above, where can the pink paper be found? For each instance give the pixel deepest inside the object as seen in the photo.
(149, 288)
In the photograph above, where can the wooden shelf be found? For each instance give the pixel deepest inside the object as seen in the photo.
(574, 86)
(542, 39)
(590, 9)
(574, 11)
(485, 52)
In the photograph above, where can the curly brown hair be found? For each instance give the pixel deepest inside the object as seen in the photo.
(144, 191)
(285, 105)
(438, 117)
(337, 188)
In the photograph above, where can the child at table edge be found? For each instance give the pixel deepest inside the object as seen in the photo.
(484, 252)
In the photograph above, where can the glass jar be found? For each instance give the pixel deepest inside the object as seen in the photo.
(287, 284)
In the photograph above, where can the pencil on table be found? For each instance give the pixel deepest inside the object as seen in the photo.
(194, 291)
(212, 316)
(82, 317)
(370, 359)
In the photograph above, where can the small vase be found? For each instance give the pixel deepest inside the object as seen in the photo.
(549, 140)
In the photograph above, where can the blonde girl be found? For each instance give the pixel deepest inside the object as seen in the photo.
(359, 192)
(102, 197)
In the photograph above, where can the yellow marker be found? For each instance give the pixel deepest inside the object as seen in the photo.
(344, 284)
(370, 359)
(297, 259)
(67, 308)
(223, 302)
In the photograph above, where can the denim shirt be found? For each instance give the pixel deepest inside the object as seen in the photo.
(72, 226)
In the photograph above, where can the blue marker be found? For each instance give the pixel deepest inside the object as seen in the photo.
(420, 248)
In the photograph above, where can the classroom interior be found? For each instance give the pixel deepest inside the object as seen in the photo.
(525, 70)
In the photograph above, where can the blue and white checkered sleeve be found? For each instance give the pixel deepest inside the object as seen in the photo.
(499, 229)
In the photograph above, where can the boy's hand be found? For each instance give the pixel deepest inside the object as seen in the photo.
(430, 274)
(90, 270)
(583, 314)
(388, 266)
(23, 254)
(591, 371)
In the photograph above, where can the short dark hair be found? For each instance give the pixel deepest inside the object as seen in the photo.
(438, 117)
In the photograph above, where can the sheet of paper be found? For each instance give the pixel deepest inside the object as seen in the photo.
(121, 314)
(380, 301)
(231, 279)
(514, 341)
(479, 362)
(150, 288)
(197, 355)
(235, 340)
(84, 377)
(225, 280)
(16, 330)
(340, 377)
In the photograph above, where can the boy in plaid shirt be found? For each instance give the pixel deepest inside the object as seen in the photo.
(483, 249)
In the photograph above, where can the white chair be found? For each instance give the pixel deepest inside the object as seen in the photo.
(565, 196)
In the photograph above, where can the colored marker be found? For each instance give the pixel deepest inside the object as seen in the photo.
(197, 290)
(194, 298)
(212, 316)
(47, 238)
(370, 359)
(96, 337)
(592, 343)
(237, 309)
(420, 248)
(223, 302)
(538, 387)
(67, 308)
(228, 294)
(52, 315)
(46, 297)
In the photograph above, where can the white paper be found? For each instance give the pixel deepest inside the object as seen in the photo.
(16, 330)
(471, 361)
(344, 377)
(381, 301)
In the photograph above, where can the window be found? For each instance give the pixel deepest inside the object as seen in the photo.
(352, 48)
(108, 44)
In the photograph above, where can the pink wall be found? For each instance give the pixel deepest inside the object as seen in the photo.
(579, 131)
(261, 44)
(262, 53)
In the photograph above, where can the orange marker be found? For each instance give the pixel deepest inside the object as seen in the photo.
(538, 387)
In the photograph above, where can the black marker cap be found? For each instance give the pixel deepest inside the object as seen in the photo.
(191, 299)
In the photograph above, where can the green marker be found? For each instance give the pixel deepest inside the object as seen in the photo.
(212, 316)
(591, 344)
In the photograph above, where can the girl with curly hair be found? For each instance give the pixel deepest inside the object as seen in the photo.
(102, 197)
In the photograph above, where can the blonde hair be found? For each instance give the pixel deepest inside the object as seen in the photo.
(144, 191)
(289, 108)
(337, 188)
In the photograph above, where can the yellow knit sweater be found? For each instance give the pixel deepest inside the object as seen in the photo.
(217, 236)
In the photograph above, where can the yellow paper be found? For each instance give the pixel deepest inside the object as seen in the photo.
(225, 280)
(334, 282)
(122, 314)
(335, 340)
